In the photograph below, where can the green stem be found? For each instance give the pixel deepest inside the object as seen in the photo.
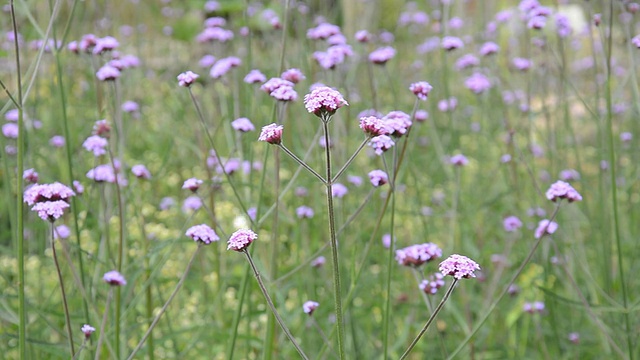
(350, 160)
(431, 318)
(104, 321)
(302, 163)
(334, 244)
(166, 304)
(238, 314)
(64, 295)
(504, 291)
(387, 305)
(614, 188)
(272, 307)
(20, 196)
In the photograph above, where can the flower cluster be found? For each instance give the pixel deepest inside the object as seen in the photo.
(241, 239)
(545, 227)
(562, 190)
(421, 89)
(202, 233)
(309, 306)
(416, 255)
(271, 133)
(458, 266)
(114, 278)
(324, 101)
(49, 200)
(432, 284)
(186, 79)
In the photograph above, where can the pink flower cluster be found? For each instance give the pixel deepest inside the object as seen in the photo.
(114, 278)
(309, 306)
(187, 78)
(421, 89)
(459, 266)
(545, 227)
(562, 190)
(202, 233)
(416, 255)
(271, 133)
(241, 239)
(323, 101)
(432, 284)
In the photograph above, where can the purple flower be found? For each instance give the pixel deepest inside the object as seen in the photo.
(354, 180)
(10, 130)
(398, 122)
(223, 66)
(535, 307)
(255, 77)
(381, 55)
(130, 107)
(362, 36)
(271, 133)
(338, 190)
(386, 240)
(275, 83)
(87, 330)
(421, 89)
(416, 255)
(381, 143)
(378, 178)
(41, 193)
(107, 43)
(421, 115)
(78, 187)
(62, 232)
(458, 266)
(186, 79)
(626, 137)
(107, 73)
(323, 31)
(141, 172)
(30, 176)
(374, 126)
(466, 61)
(50, 210)
(294, 75)
(458, 160)
(241, 239)
(309, 306)
(242, 125)
(207, 61)
(545, 227)
(537, 22)
(489, 48)
(96, 144)
(511, 223)
(102, 128)
(304, 212)
(114, 278)
(562, 190)
(102, 173)
(210, 34)
(569, 175)
(478, 83)
(12, 115)
(450, 43)
(563, 27)
(324, 101)
(192, 184)
(449, 104)
(521, 64)
(318, 262)
(284, 93)
(574, 337)
(130, 61)
(192, 203)
(202, 233)
(431, 285)
(215, 21)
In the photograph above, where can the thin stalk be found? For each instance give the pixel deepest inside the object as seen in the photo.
(104, 321)
(614, 188)
(350, 160)
(334, 244)
(166, 304)
(238, 314)
(431, 318)
(19, 201)
(504, 291)
(64, 295)
(302, 163)
(272, 307)
(387, 305)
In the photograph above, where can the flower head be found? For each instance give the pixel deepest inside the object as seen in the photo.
(562, 190)
(378, 178)
(10, 130)
(30, 176)
(96, 144)
(192, 203)
(489, 48)
(458, 266)
(294, 75)
(381, 55)
(186, 79)
(62, 232)
(381, 143)
(50, 210)
(242, 125)
(478, 83)
(241, 239)
(192, 184)
(271, 133)
(323, 101)
(40, 193)
(107, 73)
(416, 255)
(397, 122)
(450, 43)
(141, 172)
(87, 330)
(114, 278)
(202, 233)
(107, 43)
(284, 93)
(421, 89)
(338, 190)
(545, 227)
(255, 77)
(431, 285)
(309, 306)
(511, 223)
(304, 212)
(222, 66)
(318, 262)
(459, 160)
(374, 126)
